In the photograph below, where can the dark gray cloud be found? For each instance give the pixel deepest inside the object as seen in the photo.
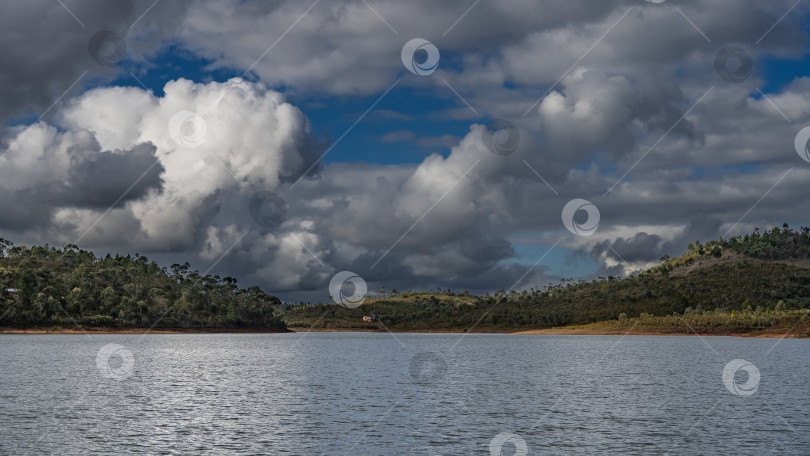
(45, 50)
(52, 50)
(94, 180)
(644, 248)
(104, 179)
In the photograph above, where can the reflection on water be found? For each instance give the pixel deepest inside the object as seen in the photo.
(372, 394)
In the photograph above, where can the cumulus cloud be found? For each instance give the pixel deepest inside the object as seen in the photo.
(597, 110)
(43, 170)
(118, 144)
(643, 250)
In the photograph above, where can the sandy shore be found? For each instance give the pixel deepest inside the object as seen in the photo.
(770, 333)
(369, 330)
(198, 331)
(133, 331)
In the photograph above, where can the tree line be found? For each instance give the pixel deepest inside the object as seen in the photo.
(46, 286)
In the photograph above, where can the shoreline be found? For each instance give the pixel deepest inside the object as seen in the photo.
(760, 333)
(561, 331)
(7, 330)
(409, 331)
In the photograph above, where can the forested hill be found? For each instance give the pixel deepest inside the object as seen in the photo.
(736, 282)
(45, 286)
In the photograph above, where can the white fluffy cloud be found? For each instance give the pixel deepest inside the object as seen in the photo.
(251, 140)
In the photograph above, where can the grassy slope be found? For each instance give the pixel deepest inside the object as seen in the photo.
(787, 323)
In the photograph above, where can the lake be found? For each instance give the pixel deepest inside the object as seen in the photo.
(414, 394)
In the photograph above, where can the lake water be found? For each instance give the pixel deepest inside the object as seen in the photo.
(414, 394)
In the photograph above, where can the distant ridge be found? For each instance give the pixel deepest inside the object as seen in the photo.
(746, 283)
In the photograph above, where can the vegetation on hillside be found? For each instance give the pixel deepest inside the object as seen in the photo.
(761, 321)
(749, 282)
(757, 273)
(45, 286)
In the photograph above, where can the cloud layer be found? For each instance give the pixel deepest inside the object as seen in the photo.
(619, 103)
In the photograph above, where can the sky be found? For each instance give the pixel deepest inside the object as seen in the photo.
(471, 145)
